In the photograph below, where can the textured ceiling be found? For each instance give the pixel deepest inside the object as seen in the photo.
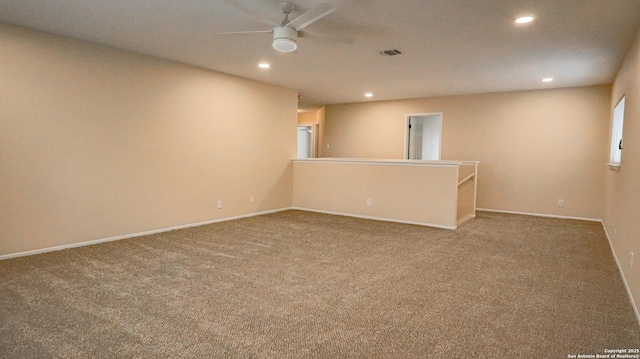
(448, 46)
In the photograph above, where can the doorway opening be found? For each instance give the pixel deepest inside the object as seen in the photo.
(423, 140)
(305, 142)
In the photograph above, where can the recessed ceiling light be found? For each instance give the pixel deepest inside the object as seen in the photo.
(524, 19)
(264, 65)
(368, 94)
(547, 79)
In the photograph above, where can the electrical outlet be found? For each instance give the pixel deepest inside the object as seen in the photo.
(560, 202)
(219, 204)
(369, 202)
(250, 199)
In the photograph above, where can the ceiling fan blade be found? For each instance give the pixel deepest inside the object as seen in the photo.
(249, 11)
(310, 16)
(244, 32)
(333, 38)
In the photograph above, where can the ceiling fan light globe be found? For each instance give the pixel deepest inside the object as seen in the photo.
(285, 45)
(284, 39)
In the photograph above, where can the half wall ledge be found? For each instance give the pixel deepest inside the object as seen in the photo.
(438, 194)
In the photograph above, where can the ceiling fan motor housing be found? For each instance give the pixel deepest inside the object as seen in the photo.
(285, 39)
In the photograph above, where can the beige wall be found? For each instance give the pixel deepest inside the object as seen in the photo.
(622, 194)
(97, 142)
(306, 118)
(534, 147)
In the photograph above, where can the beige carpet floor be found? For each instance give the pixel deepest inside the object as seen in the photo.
(304, 285)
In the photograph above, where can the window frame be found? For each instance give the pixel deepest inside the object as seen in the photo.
(617, 134)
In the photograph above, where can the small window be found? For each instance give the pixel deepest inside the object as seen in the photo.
(617, 141)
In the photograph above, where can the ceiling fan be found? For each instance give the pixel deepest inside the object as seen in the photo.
(286, 34)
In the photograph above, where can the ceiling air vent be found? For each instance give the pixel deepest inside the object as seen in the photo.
(393, 52)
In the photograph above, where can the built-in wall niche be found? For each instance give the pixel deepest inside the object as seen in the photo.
(423, 136)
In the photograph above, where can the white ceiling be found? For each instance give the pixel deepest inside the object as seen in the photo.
(448, 46)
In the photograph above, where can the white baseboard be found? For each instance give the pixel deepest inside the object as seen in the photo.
(375, 218)
(624, 280)
(117, 238)
(540, 215)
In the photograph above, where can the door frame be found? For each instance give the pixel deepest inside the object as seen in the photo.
(315, 134)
